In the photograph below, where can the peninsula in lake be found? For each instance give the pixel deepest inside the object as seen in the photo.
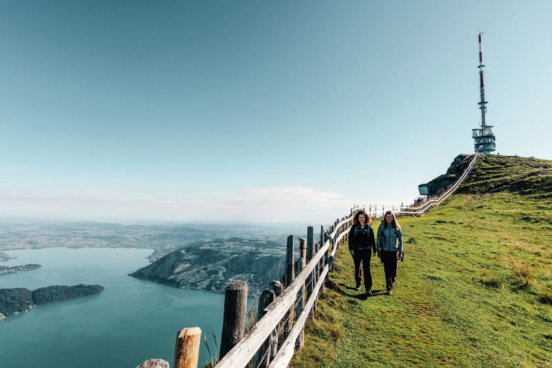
(5, 270)
(209, 265)
(17, 300)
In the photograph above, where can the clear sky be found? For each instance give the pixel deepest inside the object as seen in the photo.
(256, 111)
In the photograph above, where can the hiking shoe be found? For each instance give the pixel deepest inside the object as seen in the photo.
(389, 292)
(357, 288)
(368, 293)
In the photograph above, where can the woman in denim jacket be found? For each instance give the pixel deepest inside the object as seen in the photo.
(390, 248)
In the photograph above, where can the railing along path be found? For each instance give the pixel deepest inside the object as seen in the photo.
(409, 211)
(286, 305)
(283, 311)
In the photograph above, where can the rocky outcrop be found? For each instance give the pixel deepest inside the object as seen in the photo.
(209, 265)
(154, 363)
(4, 270)
(455, 170)
(14, 301)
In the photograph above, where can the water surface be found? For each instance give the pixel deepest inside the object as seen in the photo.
(129, 322)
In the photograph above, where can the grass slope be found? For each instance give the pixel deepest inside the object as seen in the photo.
(529, 177)
(475, 290)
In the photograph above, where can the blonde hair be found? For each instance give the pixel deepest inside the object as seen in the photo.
(394, 223)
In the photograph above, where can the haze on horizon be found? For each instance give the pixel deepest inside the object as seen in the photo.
(260, 112)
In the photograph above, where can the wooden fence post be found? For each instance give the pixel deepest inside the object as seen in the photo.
(310, 254)
(276, 286)
(324, 259)
(290, 266)
(267, 297)
(233, 325)
(290, 276)
(262, 359)
(301, 304)
(310, 243)
(186, 352)
(303, 249)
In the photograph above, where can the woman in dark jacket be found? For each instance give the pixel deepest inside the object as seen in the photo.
(390, 247)
(361, 245)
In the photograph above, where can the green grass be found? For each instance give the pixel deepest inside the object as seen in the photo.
(530, 177)
(475, 290)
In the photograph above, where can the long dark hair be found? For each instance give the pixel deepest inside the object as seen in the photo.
(394, 223)
(367, 216)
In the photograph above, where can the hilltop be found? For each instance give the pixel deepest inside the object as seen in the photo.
(529, 177)
(209, 265)
(475, 289)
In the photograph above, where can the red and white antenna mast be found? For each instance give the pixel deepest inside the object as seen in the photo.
(482, 104)
(484, 139)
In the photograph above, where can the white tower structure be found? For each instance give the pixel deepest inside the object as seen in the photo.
(484, 139)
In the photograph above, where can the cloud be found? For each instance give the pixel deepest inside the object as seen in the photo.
(255, 205)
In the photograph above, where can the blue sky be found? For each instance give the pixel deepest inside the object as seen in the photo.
(256, 111)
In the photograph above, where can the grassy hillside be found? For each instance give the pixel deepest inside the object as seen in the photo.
(475, 289)
(529, 177)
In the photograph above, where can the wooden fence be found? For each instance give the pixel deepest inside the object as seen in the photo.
(284, 307)
(412, 211)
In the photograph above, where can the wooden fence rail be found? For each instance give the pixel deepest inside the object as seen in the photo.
(284, 307)
(410, 211)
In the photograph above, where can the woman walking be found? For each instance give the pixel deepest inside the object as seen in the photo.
(361, 245)
(390, 248)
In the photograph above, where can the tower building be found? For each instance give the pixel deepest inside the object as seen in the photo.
(484, 139)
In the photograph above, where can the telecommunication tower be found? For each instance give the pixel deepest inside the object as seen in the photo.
(484, 139)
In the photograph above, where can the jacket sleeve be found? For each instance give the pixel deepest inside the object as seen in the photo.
(372, 240)
(399, 238)
(351, 238)
(380, 243)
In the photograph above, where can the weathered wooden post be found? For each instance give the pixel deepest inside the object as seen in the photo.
(290, 266)
(290, 276)
(322, 236)
(304, 260)
(324, 259)
(313, 277)
(321, 245)
(233, 325)
(267, 297)
(310, 254)
(262, 358)
(303, 249)
(301, 303)
(310, 243)
(277, 287)
(186, 352)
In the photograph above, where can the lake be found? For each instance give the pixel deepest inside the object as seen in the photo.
(129, 322)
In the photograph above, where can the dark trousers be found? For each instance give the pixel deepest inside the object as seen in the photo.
(363, 256)
(390, 267)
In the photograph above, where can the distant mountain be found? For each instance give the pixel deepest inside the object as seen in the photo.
(209, 265)
(162, 238)
(17, 300)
